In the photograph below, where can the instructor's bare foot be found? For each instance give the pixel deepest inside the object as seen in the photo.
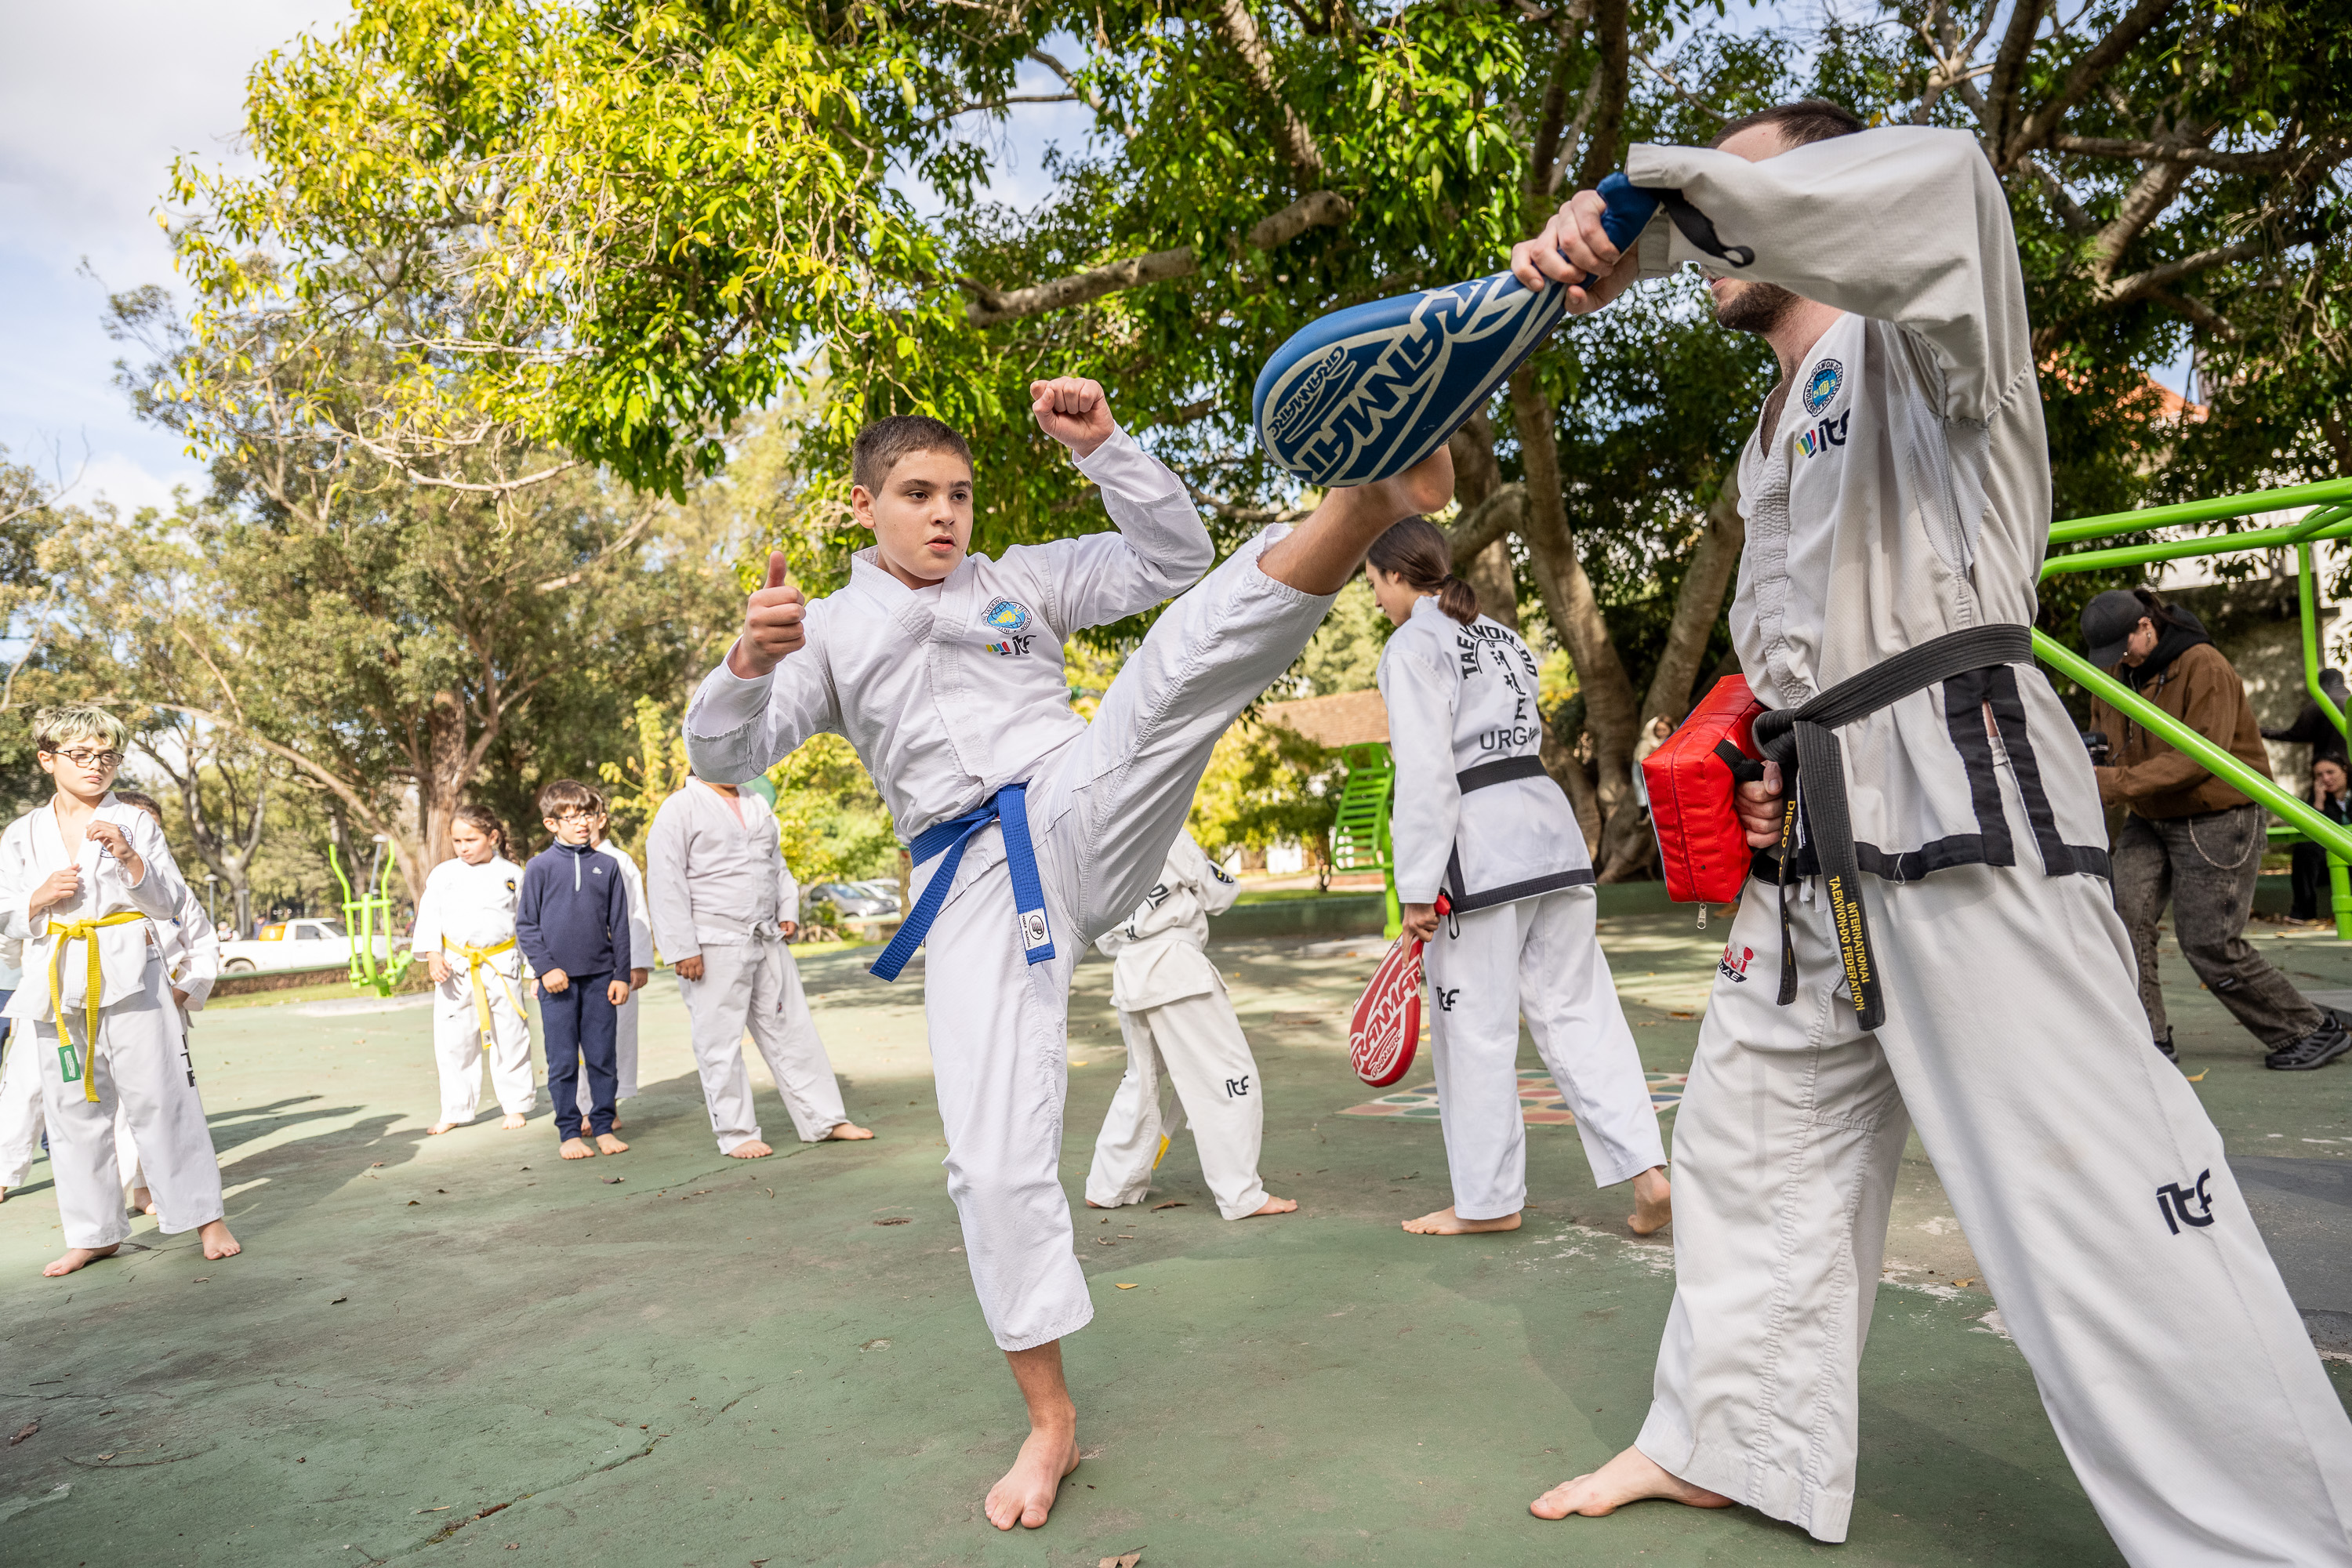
(848, 1131)
(1654, 1202)
(1630, 1477)
(143, 1201)
(77, 1257)
(439, 1128)
(1274, 1206)
(1026, 1495)
(576, 1148)
(750, 1149)
(219, 1242)
(1445, 1222)
(515, 1121)
(608, 1144)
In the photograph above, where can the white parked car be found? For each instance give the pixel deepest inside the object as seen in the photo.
(310, 944)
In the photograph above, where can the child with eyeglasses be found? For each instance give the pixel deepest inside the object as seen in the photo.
(573, 923)
(89, 886)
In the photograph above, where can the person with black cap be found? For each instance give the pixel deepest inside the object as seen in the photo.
(2190, 838)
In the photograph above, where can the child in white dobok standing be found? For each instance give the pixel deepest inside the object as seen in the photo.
(466, 935)
(1479, 820)
(1177, 1019)
(191, 966)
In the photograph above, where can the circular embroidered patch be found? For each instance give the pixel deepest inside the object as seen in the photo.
(1822, 384)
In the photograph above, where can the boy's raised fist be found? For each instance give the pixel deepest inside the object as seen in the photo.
(1073, 411)
(771, 624)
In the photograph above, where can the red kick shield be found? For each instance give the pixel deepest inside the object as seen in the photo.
(1386, 1028)
(1702, 849)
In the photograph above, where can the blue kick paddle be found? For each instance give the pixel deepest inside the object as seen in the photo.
(1366, 393)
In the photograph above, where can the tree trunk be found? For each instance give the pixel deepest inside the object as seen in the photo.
(1476, 476)
(1698, 605)
(1611, 712)
(438, 787)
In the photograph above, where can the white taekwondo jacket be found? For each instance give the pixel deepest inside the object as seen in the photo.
(1904, 491)
(1159, 956)
(641, 931)
(470, 906)
(714, 872)
(30, 849)
(1476, 815)
(951, 692)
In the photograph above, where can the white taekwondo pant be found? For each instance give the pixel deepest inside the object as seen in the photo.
(457, 1043)
(2090, 1184)
(142, 1064)
(1539, 957)
(1198, 1044)
(21, 1118)
(1102, 813)
(625, 1053)
(755, 985)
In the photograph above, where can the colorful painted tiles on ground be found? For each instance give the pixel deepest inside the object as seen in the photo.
(1541, 1104)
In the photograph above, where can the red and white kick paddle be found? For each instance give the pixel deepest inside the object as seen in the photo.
(1387, 1025)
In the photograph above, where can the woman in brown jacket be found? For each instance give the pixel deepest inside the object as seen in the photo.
(2188, 838)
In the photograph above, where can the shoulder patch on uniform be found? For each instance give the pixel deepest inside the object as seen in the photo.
(1005, 615)
(511, 884)
(1822, 385)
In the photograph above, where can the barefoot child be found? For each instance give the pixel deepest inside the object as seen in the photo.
(191, 965)
(1033, 831)
(572, 923)
(641, 969)
(88, 885)
(466, 935)
(1176, 1019)
(1478, 819)
(724, 904)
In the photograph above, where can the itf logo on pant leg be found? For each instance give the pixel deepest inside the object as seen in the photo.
(2186, 1205)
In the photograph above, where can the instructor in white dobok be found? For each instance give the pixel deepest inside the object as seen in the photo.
(1478, 820)
(1178, 1020)
(722, 902)
(1898, 495)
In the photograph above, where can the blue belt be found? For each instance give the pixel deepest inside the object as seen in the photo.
(1011, 806)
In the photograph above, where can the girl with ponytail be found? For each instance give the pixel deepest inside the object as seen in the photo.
(1478, 821)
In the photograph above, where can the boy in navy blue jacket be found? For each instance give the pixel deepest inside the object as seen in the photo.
(573, 924)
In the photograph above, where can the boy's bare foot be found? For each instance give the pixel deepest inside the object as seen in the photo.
(576, 1148)
(77, 1257)
(1630, 1477)
(617, 1121)
(750, 1149)
(143, 1201)
(1654, 1202)
(4, 1195)
(1091, 1203)
(515, 1122)
(850, 1131)
(219, 1242)
(608, 1144)
(1274, 1206)
(1445, 1222)
(1026, 1495)
(439, 1128)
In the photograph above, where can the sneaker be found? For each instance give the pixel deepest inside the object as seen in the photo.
(2316, 1049)
(2164, 1045)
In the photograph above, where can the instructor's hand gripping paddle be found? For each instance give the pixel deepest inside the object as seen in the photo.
(1366, 393)
(1387, 1024)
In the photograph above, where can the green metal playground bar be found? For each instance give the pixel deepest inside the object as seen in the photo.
(2329, 516)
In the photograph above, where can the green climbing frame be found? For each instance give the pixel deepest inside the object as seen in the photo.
(2329, 516)
(366, 917)
(1360, 834)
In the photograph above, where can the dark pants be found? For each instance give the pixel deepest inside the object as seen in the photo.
(2205, 866)
(580, 1024)
(2313, 899)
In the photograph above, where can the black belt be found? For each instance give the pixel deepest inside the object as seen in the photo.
(1803, 741)
(1509, 768)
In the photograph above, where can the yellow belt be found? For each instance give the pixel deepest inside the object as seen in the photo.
(474, 960)
(68, 932)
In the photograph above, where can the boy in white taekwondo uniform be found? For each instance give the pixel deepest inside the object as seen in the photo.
(723, 902)
(1034, 831)
(1897, 491)
(191, 965)
(1478, 819)
(1174, 1014)
(88, 885)
(466, 935)
(641, 969)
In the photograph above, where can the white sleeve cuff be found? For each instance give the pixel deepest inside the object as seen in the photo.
(729, 702)
(1121, 464)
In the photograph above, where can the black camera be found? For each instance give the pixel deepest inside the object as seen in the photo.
(2095, 742)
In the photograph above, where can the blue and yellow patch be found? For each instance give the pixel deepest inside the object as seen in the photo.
(1005, 615)
(1822, 385)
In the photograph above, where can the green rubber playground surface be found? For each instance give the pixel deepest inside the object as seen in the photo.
(462, 1350)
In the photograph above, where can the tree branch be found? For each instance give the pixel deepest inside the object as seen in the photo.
(1084, 94)
(2191, 156)
(1505, 511)
(1610, 40)
(1240, 29)
(2009, 75)
(628, 536)
(2094, 65)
